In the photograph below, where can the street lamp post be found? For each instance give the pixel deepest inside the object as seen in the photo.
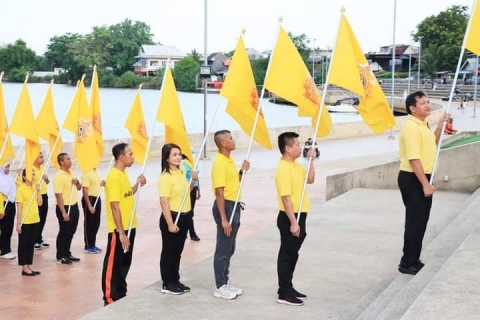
(313, 61)
(475, 91)
(392, 101)
(410, 64)
(419, 60)
(205, 63)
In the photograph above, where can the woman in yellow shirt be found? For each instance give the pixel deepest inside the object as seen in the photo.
(28, 223)
(8, 190)
(172, 185)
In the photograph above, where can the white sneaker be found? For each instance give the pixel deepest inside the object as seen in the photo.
(237, 291)
(9, 256)
(224, 293)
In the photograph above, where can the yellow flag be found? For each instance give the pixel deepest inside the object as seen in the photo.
(136, 126)
(97, 114)
(8, 152)
(170, 114)
(47, 126)
(473, 37)
(350, 70)
(79, 121)
(23, 124)
(242, 95)
(289, 78)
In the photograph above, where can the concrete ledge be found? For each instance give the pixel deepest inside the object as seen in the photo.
(457, 165)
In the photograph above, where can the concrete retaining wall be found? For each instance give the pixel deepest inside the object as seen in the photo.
(458, 170)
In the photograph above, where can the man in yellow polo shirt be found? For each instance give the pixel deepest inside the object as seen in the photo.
(66, 187)
(92, 205)
(418, 145)
(120, 203)
(226, 184)
(43, 209)
(289, 181)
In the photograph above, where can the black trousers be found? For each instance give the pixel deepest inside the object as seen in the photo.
(26, 241)
(288, 253)
(42, 212)
(91, 222)
(417, 213)
(191, 214)
(66, 231)
(6, 228)
(115, 267)
(172, 248)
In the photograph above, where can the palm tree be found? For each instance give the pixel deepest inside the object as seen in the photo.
(196, 56)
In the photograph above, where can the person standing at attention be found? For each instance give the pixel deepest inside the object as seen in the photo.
(194, 195)
(418, 146)
(120, 203)
(289, 181)
(91, 184)
(8, 190)
(41, 181)
(226, 184)
(29, 228)
(65, 186)
(171, 189)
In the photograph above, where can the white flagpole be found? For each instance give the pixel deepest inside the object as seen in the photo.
(317, 124)
(14, 180)
(108, 170)
(259, 108)
(204, 142)
(452, 89)
(72, 191)
(137, 194)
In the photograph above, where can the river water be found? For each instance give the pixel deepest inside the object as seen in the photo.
(116, 103)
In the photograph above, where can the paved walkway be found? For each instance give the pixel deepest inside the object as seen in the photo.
(73, 291)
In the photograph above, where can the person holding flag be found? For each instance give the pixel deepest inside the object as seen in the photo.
(28, 229)
(194, 195)
(171, 187)
(289, 179)
(417, 150)
(8, 190)
(120, 203)
(92, 206)
(225, 183)
(42, 182)
(65, 186)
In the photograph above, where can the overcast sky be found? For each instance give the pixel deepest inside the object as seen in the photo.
(180, 22)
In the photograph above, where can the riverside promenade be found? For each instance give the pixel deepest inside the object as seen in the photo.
(353, 245)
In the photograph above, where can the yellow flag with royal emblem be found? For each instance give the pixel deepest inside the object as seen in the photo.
(289, 78)
(97, 113)
(79, 121)
(136, 127)
(473, 37)
(47, 126)
(170, 114)
(23, 124)
(8, 152)
(241, 92)
(350, 70)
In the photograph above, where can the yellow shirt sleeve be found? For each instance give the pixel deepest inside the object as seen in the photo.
(85, 181)
(57, 184)
(219, 177)
(413, 148)
(284, 183)
(164, 186)
(2, 202)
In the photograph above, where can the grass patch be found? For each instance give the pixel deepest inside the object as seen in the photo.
(462, 142)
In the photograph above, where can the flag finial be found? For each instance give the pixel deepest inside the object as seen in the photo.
(140, 86)
(1, 76)
(280, 19)
(83, 77)
(343, 9)
(26, 78)
(243, 31)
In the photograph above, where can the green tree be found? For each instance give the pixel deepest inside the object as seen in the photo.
(17, 74)
(259, 69)
(445, 31)
(431, 62)
(301, 42)
(59, 55)
(128, 80)
(196, 56)
(185, 74)
(17, 56)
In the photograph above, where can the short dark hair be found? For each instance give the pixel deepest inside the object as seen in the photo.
(166, 150)
(24, 175)
(411, 100)
(286, 139)
(119, 149)
(61, 157)
(217, 134)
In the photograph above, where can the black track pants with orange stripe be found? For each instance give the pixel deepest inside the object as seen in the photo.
(115, 268)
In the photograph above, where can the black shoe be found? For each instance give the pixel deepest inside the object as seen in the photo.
(289, 300)
(182, 286)
(299, 295)
(420, 264)
(172, 289)
(412, 270)
(36, 272)
(64, 260)
(73, 259)
(194, 238)
(28, 274)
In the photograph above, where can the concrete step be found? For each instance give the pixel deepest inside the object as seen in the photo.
(402, 291)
